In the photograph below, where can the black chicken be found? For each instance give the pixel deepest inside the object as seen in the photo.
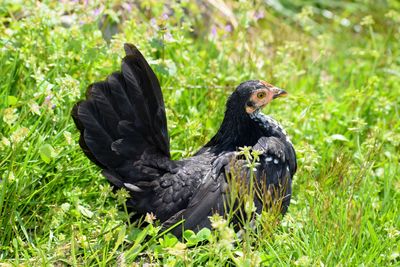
(124, 131)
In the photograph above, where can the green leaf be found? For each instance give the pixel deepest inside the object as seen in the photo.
(138, 244)
(47, 153)
(169, 241)
(85, 212)
(188, 234)
(171, 66)
(204, 234)
(338, 137)
(121, 237)
(12, 100)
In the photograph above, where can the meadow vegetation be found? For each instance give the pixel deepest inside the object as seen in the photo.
(339, 61)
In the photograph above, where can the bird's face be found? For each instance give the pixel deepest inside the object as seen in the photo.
(256, 94)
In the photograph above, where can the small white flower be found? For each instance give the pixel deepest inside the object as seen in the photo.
(19, 135)
(34, 107)
(10, 115)
(65, 207)
(5, 142)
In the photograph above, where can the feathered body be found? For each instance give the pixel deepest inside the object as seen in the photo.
(124, 131)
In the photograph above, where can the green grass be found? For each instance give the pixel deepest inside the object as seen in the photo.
(341, 69)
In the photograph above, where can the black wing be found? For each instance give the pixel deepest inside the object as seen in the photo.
(273, 187)
(206, 200)
(275, 172)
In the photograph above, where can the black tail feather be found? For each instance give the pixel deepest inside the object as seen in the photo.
(123, 118)
(82, 142)
(97, 136)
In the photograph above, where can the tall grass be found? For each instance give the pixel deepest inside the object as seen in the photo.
(338, 60)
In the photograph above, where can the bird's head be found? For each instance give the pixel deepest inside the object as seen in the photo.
(251, 96)
(238, 128)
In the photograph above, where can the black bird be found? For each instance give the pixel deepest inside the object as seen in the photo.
(124, 131)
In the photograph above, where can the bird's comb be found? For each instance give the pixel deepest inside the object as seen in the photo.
(268, 85)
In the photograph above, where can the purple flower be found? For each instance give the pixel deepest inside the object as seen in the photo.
(259, 15)
(228, 28)
(48, 98)
(127, 6)
(168, 37)
(153, 23)
(96, 12)
(165, 16)
(214, 31)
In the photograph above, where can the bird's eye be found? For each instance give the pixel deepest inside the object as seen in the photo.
(261, 95)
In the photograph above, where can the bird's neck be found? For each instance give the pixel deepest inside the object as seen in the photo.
(235, 132)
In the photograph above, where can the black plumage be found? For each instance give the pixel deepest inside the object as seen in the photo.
(123, 130)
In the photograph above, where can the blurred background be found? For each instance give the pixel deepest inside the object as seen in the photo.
(339, 61)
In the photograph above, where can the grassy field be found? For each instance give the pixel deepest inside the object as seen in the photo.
(339, 61)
